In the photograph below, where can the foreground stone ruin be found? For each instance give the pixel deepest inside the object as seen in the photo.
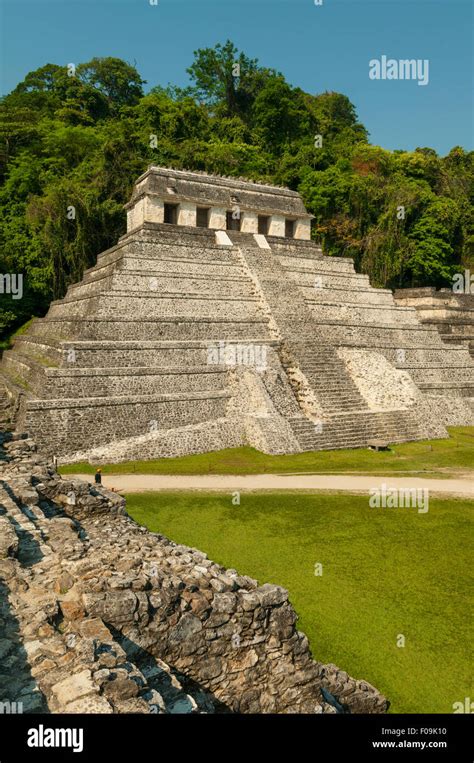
(215, 322)
(98, 615)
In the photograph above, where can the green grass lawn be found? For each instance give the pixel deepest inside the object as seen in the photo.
(385, 572)
(429, 457)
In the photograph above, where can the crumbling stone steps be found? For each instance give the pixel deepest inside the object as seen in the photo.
(459, 330)
(56, 658)
(25, 524)
(449, 314)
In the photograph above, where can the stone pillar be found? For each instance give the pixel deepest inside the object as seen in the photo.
(155, 210)
(217, 218)
(187, 214)
(136, 214)
(148, 209)
(277, 226)
(303, 229)
(249, 222)
(130, 218)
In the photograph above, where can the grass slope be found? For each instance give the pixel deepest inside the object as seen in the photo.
(385, 572)
(453, 454)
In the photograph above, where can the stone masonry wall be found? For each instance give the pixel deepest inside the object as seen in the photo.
(105, 616)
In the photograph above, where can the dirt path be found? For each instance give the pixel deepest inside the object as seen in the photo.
(139, 483)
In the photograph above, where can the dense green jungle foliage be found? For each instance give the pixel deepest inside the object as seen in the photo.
(79, 139)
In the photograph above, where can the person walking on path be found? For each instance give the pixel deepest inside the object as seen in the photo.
(98, 477)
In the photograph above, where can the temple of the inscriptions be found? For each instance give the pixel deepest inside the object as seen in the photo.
(215, 322)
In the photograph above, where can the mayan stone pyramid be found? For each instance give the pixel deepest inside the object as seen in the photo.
(216, 322)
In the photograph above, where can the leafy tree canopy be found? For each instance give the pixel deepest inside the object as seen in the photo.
(76, 140)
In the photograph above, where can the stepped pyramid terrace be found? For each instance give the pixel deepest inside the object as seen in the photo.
(215, 322)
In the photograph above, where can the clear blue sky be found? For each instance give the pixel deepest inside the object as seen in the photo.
(317, 48)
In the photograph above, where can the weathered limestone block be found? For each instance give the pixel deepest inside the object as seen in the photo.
(249, 222)
(217, 218)
(277, 226)
(187, 214)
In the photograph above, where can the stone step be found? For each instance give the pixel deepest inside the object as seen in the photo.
(156, 305)
(301, 260)
(164, 262)
(464, 375)
(178, 328)
(345, 298)
(356, 431)
(44, 351)
(329, 272)
(62, 426)
(146, 354)
(159, 281)
(100, 382)
(362, 315)
(453, 389)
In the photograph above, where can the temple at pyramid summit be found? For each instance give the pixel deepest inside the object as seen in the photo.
(217, 322)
